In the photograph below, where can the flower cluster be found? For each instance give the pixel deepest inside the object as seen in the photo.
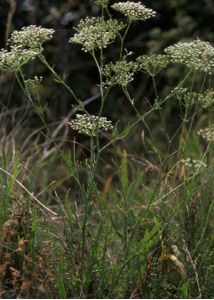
(103, 3)
(31, 37)
(197, 55)
(33, 84)
(153, 63)
(179, 92)
(25, 45)
(120, 73)
(207, 133)
(14, 59)
(90, 125)
(190, 98)
(193, 164)
(134, 11)
(93, 33)
(205, 99)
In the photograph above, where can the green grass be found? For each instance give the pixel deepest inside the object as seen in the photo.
(112, 239)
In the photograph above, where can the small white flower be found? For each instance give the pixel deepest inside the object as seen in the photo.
(33, 84)
(14, 59)
(90, 125)
(206, 99)
(197, 55)
(25, 45)
(207, 133)
(194, 165)
(96, 33)
(31, 37)
(134, 11)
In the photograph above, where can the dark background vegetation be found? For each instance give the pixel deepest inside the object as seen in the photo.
(176, 20)
(187, 212)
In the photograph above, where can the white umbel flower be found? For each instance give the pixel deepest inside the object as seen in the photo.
(31, 37)
(196, 55)
(14, 59)
(134, 11)
(90, 125)
(207, 133)
(193, 165)
(96, 33)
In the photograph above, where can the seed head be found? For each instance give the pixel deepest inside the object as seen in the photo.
(121, 73)
(197, 55)
(96, 33)
(90, 125)
(152, 63)
(134, 11)
(205, 99)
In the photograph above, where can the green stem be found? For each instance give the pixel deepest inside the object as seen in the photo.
(154, 107)
(125, 90)
(99, 68)
(159, 110)
(182, 143)
(123, 39)
(60, 80)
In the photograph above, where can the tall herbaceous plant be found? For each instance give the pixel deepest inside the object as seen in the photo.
(139, 234)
